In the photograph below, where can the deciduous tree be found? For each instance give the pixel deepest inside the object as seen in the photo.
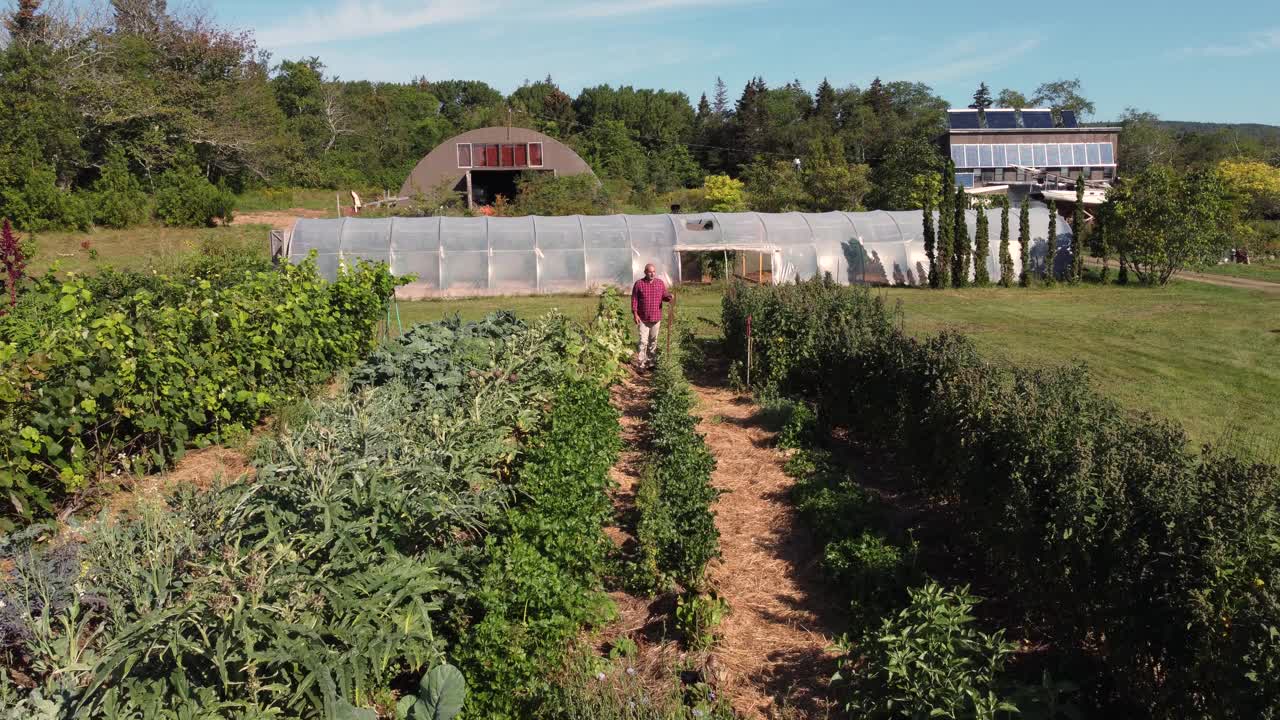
(1161, 221)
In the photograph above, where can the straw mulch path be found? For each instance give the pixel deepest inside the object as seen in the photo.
(774, 653)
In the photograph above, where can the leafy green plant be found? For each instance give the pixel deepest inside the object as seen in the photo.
(929, 661)
(676, 530)
(441, 693)
(122, 371)
(697, 616)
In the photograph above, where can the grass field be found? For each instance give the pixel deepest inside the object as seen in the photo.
(1206, 356)
(1268, 270)
(136, 247)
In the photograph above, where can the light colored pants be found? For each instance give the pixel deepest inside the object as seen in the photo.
(648, 343)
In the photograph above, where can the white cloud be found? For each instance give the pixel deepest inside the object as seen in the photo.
(351, 19)
(1254, 43)
(970, 56)
(369, 18)
(635, 7)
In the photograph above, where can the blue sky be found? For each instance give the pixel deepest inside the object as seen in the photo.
(1217, 61)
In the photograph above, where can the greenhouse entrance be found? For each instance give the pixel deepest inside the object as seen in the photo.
(707, 266)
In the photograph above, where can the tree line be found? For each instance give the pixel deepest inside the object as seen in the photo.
(133, 110)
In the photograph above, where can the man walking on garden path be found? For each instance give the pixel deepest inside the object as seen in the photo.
(647, 297)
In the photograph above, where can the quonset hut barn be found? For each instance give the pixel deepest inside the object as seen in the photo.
(461, 256)
(483, 164)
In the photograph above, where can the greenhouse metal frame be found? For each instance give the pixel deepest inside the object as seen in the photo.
(466, 256)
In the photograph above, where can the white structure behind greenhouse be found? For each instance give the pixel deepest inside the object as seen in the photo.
(457, 256)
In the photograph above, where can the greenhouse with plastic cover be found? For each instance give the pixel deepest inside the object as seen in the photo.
(467, 256)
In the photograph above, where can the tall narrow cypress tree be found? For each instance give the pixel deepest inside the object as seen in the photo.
(946, 226)
(1051, 243)
(982, 248)
(930, 238)
(1079, 231)
(1006, 260)
(960, 245)
(1024, 243)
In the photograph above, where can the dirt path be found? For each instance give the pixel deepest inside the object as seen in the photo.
(774, 648)
(278, 220)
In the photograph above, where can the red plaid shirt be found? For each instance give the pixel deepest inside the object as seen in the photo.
(646, 299)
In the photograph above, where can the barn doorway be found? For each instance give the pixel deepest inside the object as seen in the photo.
(487, 185)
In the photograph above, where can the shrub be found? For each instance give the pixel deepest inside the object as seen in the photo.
(117, 200)
(186, 198)
(929, 661)
(871, 570)
(1102, 522)
(36, 203)
(697, 617)
(133, 368)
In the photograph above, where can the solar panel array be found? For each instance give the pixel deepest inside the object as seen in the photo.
(963, 119)
(1069, 119)
(1001, 119)
(1037, 119)
(1033, 155)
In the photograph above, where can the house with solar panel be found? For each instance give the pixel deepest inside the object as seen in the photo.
(1033, 152)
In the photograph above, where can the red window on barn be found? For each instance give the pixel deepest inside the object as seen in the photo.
(464, 155)
(535, 154)
(477, 156)
(491, 155)
(508, 156)
(522, 159)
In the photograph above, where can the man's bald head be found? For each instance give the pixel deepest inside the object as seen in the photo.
(650, 270)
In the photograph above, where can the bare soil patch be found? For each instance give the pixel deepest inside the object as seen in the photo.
(278, 219)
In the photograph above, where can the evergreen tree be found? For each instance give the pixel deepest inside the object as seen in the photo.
(960, 248)
(981, 249)
(1050, 243)
(1024, 244)
(946, 227)
(720, 105)
(25, 24)
(1006, 260)
(704, 110)
(930, 238)
(1079, 231)
(981, 97)
(824, 105)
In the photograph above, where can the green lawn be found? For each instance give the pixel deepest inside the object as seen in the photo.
(1207, 356)
(1268, 270)
(1204, 355)
(135, 248)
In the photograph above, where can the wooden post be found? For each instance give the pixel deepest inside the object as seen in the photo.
(469, 190)
(760, 268)
(337, 203)
(744, 265)
(748, 351)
